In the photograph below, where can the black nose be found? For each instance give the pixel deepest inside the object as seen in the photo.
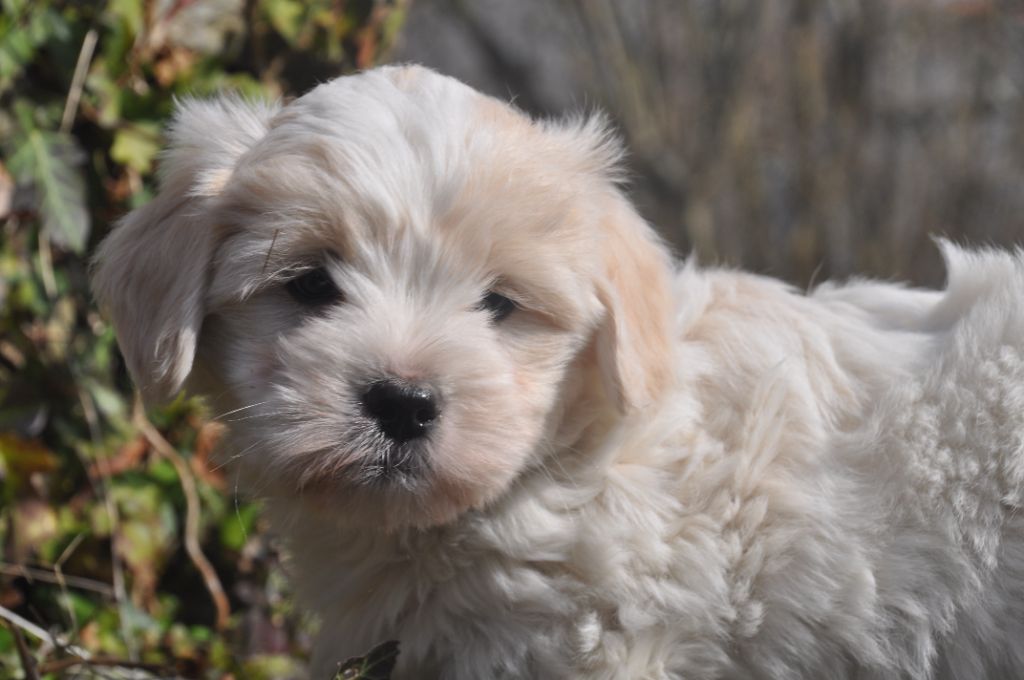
(403, 411)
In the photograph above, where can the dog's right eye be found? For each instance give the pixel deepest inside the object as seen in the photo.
(314, 287)
(497, 305)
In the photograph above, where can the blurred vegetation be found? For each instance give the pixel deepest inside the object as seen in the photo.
(799, 138)
(122, 552)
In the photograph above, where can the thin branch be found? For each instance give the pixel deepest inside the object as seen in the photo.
(80, 657)
(41, 574)
(28, 664)
(26, 625)
(40, 634)
(192, 513)
(46, 265)
(100, 662)
(58, 570)
(78, 80)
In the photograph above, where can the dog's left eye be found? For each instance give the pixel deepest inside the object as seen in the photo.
(314, 287)
(498, 305)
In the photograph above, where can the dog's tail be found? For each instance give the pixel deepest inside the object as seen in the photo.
(973, 278)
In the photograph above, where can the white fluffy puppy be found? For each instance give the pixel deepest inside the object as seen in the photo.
(495, 422)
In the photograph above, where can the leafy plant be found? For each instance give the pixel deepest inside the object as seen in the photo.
(124, 548)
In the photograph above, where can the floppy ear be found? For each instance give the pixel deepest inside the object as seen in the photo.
(634, 341)
(150, 273)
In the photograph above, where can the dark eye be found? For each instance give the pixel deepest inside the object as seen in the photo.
(313, 287)
(498, 305)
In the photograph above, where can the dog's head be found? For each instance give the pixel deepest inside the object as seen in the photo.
(399, 287)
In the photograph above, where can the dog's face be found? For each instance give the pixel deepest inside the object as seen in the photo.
(401, 290)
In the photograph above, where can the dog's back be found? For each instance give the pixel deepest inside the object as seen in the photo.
(946, 450)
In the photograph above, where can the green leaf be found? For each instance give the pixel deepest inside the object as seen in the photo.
(148, 528)
(136, 147)
(106, 96)
(286, 17)
(16, 50)
(271, 667)
(19, 44)
(85, 608)
(47, 27)
(110, 403)
(19, 40)
(128, 12)
(48, 161)
(376, 665)
(238, 526)
(163, 472)
(13, 8)
(21, 458)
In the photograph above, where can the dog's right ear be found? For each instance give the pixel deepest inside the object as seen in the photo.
(150, 273)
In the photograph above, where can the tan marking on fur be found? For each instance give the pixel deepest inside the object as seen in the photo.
(634, 342)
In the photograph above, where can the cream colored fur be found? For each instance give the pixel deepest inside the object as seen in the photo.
(648, 470)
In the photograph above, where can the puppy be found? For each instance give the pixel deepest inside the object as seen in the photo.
(493, 420)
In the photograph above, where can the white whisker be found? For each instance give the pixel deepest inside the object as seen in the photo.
(237, 410)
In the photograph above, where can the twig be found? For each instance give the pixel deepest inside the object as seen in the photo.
(78, 80)
(46, 265)
(79, 657)
(58, 571)
(26, 625)
(38, 574)
(40, 634)
(192, 513)
(100, 661)
(28, 664)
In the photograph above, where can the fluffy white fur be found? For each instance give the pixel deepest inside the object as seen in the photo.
(648, 470)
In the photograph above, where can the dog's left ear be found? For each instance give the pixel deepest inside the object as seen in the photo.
(634, 340)
(151, 272)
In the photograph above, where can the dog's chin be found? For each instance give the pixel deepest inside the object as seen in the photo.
(387, 489)
(390, 503)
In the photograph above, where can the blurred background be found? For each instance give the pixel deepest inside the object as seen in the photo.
(806, 139)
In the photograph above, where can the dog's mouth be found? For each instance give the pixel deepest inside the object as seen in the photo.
(394, 464)
(382, 467)
(374, 460)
